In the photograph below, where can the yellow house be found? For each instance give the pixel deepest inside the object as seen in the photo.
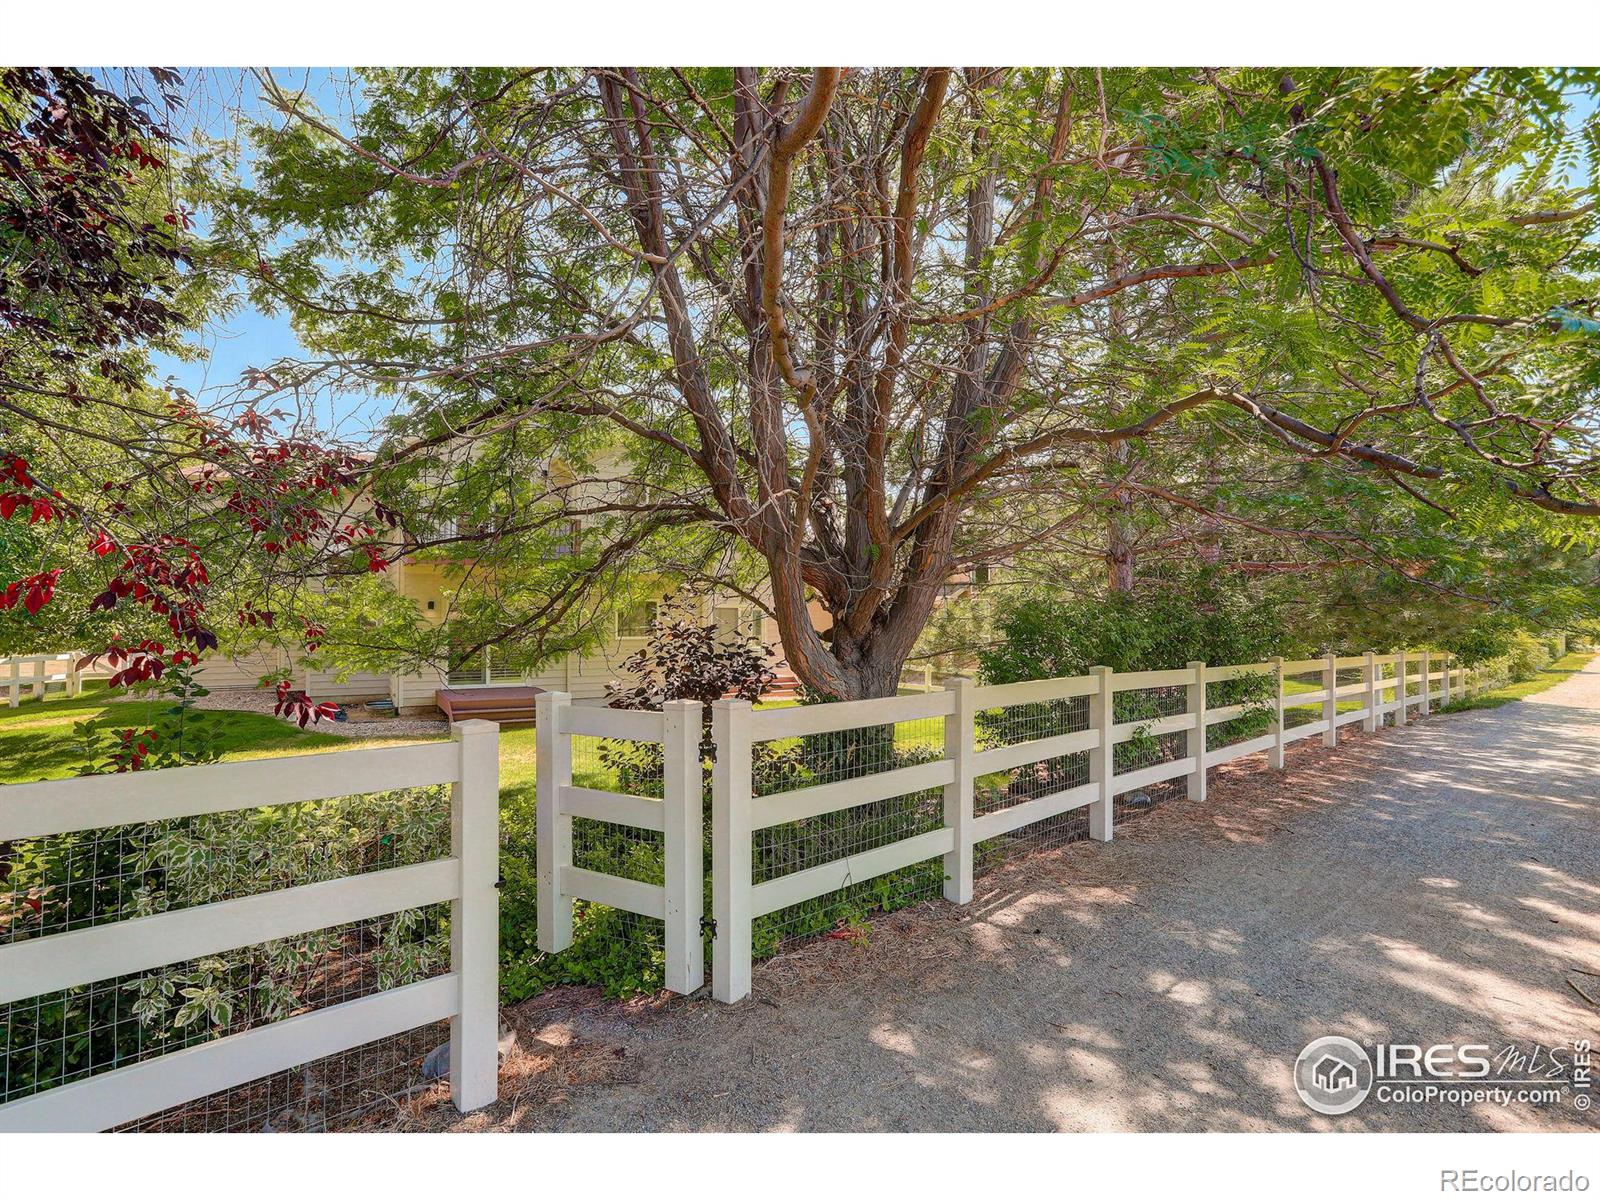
(430, 585)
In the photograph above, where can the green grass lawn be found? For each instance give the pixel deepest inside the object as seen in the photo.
(1293, 687)
(1563, 668)
(37, 742)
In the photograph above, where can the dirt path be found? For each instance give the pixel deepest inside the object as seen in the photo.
(1431, 884)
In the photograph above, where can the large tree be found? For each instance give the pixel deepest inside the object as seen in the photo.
(872, 328)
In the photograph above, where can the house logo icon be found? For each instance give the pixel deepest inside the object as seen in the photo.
(1333, 1075)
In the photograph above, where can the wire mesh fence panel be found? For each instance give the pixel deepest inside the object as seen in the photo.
(1297, 713)
(623, 952)
(61, 1037)
(1146, 748)
(1383, 719)
(1348, 677)
(1141, 706)
(625, 851)
(814, 760)
(1048, 834)
(1000, 790)
(1253, 693)
(619, 765)
(1138, 801)
(843, 913)
(373, 1084)
(786, 764)
(1030, 722)
(56, 884)
(60, 883)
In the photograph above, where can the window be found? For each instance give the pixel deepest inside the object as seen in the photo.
(569, 547)
(635, 620)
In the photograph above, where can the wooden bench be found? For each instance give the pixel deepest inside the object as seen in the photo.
(508, 705)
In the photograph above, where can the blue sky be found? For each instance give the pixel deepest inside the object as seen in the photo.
(250, 338)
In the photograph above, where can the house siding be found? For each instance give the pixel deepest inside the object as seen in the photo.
(244, 671)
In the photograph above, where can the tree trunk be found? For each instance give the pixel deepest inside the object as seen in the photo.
(1120, 553)
(866, 665)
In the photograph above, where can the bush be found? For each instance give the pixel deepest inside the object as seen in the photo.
(1203, 618)
(1525, 657)
(1487, 639)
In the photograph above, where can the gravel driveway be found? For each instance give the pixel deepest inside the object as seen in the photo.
(1429, 884)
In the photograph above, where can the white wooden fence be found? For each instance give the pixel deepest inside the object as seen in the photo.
(466, 996)
(1389, 683)
(679, 900)
(43, 672)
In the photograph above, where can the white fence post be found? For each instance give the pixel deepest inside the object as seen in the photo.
(41, 676)
(1197, 735)
(1102, 760)
(1400, 687)
(1275, 755)
(475, 917)
(16, 681)
(1330, 702)
(1369, 676)
(1427, 684)
(554, 828)
(74, 681)
(960, 744)
(1444, 700)
(684, 846)
(730, 850)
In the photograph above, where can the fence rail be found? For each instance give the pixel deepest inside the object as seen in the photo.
(1389, 684)
(44, 672)
(466, 880)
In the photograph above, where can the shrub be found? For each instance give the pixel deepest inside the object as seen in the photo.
(1204, 618)
(1486, 639)
(1525, 657)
